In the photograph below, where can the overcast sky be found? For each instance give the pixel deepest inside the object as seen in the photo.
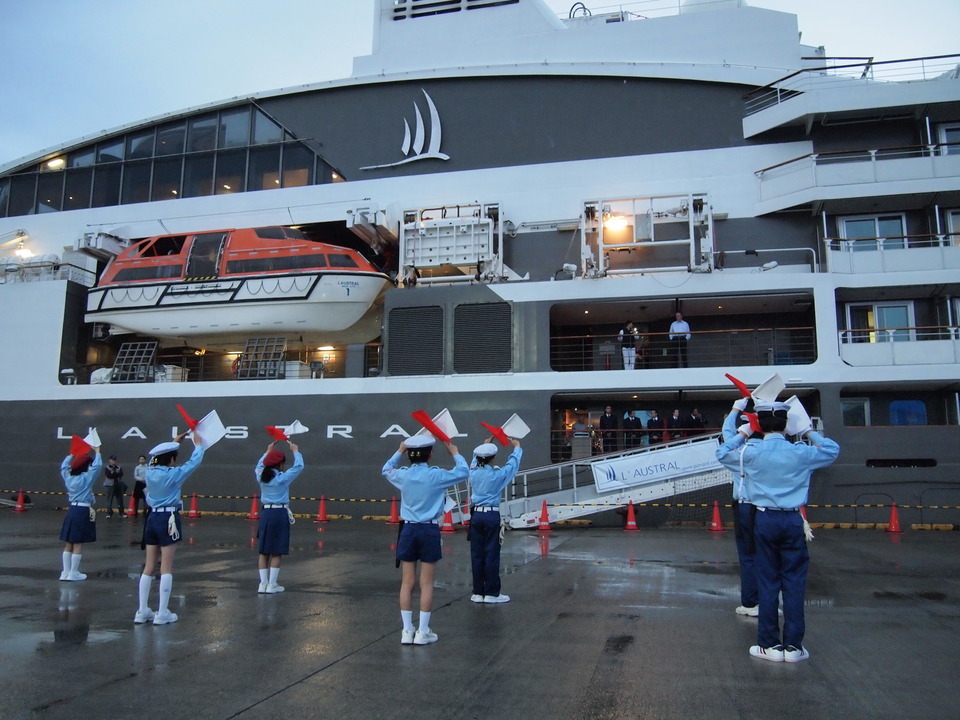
(75, 68)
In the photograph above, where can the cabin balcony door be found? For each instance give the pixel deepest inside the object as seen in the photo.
(205, 253)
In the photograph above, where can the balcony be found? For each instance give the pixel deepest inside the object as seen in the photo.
(893, 254)
(933, 345)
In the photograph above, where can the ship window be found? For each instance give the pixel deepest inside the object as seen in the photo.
(949, 136)
(294, 234)
(49, 192)
(297, 166)
(856, 411)
(166, 178)
(198, 175)
(140, 145)
(22, 191)
(908, 412)
(81, 158)
(170, 138)
(149, 272)
(881, 322)
(342, 261)
(136, 182)
(106, 186)
(110, 151)
(202, 134)
(264, 168)
(162, 246)
(204, 258)
(415, 345)
(4, 196)
(231, 172)
(496, 321)
(77, 191)
(874, 232)
(265, 130)
(276, 264)
(270, 233)
(234, 128)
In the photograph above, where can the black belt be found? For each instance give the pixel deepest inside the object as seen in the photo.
(764, 509)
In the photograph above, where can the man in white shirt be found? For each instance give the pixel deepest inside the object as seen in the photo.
(679, 334)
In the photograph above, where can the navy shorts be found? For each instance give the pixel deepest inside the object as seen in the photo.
(77, 526)
(274, 532)
(419, 541)
(155, 530)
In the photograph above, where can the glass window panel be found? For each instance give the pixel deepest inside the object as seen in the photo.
(202, 134)
(77, 189)
(50, 192)
(198, 175)
(856, 412)
(265, 130)
(111, 151)
(859, 229)
(231, 172)
(81, 158)
(106, 186)
(54, 164)
(171, 138)
(950, 136)
(264, 168)
(136, 182)
(166, 178)
(234, 128)
(4, 196)
(297, 166)
(140, 145)
(22, 190)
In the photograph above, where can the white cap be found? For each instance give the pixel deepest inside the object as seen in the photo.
(419, 441)
(485, 450)
(164, 448)
(772, 407)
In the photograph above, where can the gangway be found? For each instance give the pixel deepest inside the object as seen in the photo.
(570, 489)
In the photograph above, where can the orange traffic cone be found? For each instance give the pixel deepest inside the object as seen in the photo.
(194, 513)
(544, 519)
(322, 511)
(715, 524)
(394, 515)
(465, 514)
(447, 526)
(631, 525)
(254, 509)
(21, 502)
(132, 506)
(894, 526)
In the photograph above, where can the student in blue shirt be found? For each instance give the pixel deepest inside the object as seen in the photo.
(487, 483)
(276, 518)
(79, 472)
(421, 503)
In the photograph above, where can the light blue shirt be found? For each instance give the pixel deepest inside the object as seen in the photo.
(277, 491)
(487, 482)
(421, 486)
(778, 471)
(729, 431)
(164, 482)
(80, 487)
(679, 328)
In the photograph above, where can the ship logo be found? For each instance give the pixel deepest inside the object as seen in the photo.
(415, 144)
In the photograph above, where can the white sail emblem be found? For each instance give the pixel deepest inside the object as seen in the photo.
(415, 143)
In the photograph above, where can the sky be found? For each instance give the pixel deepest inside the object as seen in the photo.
(74, 69)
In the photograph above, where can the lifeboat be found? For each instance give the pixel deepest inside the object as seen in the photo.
(216, 287)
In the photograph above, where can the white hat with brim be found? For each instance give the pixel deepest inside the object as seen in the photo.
(164, 448)
(485, 450)
(419, 441)
(772, 408)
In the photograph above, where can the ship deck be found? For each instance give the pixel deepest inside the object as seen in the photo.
(603, 624)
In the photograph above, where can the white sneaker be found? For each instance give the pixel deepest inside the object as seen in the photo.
(164, 618)
(473, 598)
(75, 576)
(501, 598)
(262, 588)
(774, 654)
(425, 637)
(143, 617)
(794, 654)
(64, 574)
(406, 636)
(273, 589)
(748, 610)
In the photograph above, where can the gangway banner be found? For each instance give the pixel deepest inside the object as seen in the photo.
(655, 466)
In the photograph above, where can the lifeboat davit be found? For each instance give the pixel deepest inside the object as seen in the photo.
(215, 287)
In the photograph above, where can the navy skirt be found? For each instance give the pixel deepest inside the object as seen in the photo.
(274, 532)
(77, 526)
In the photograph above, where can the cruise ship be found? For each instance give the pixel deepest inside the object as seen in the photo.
(511, 188)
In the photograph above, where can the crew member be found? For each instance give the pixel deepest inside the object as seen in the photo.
(79, 472)
(276, 518)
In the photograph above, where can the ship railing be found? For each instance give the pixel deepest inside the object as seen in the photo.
(842, 75)
(907, 345)
(710, 348)
(41, 271)
(893, 253)
(563, 445)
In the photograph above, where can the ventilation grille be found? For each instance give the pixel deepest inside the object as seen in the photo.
(483, 338)
(409, 9)
(415, 345)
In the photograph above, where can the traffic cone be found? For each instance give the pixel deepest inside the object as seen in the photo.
(631, 525)
(254, 509)
(322, 511)
(194, 513)
(465, 514)
(894, 526)
(544, 519)
(447, 526)
(132, 506)
(21, 503)
(716, 525)
(394, 515)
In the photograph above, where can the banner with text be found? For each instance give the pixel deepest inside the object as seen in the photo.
(654, 467)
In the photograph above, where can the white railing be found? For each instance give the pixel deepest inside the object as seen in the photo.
(930, 345)
(892, 254)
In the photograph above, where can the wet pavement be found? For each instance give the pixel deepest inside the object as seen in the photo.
(603, 624)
